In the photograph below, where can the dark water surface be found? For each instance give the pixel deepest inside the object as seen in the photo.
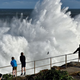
(10, 13)
(74, 12)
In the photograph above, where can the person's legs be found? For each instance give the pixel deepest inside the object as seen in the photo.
(23, 68)
(0, 78)
(13, 73)
(24, 71)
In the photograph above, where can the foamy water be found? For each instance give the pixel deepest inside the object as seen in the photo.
(49, 29)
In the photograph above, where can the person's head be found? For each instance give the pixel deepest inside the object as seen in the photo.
(22, 53)
(12, 58)
(0, 76)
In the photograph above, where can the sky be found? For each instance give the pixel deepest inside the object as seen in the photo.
(75, 4)
(30, 4)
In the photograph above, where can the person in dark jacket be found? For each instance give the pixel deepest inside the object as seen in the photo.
(77, 50)
(14, 65)
(23, 63)
(0, 76)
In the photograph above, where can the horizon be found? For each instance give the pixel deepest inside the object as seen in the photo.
(31, 8)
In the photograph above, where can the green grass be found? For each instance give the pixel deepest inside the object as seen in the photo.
(7, 77)
(53, 75)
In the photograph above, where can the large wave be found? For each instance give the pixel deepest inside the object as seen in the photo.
(49, 29)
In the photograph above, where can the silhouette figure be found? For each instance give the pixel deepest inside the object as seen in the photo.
(23, 63)
(77, 50)
(0, 76)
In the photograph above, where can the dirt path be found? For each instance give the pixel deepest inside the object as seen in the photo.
(73, 69)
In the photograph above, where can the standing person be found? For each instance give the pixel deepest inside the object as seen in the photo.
(77, 50)
(23, 63)
(0, 76)
(14, 65)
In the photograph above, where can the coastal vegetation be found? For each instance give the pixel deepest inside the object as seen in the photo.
(46, 74)
(7, 77)
(53, 75)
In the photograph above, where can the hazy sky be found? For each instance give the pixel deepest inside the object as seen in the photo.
(71, 3)
(31, 3)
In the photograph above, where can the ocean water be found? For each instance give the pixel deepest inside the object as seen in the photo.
(48, 28)
(74, 12)
(8, 14)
